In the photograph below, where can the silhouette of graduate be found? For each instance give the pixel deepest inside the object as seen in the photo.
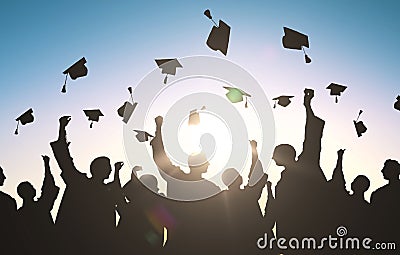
(299, 201)
(86, 216)
(35, 225)
(182, 186)
(8, 213)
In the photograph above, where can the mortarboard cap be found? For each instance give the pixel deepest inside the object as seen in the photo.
(236, 95)
(75, 71)
(126, 110)
(359, 125)
(296, 41)
(194, 116)
(282, 100)
(93, 115)
(218, 39)
(397, 104)
(25, 118)
(336, 90)
(142, 136)
(168, 66)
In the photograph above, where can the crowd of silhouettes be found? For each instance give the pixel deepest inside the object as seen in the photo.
(304, 204)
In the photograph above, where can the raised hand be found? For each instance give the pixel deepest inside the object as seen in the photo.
(308, 95)
(64, 120)
(46, 159)
(159, 120)
(341, 152)
(118, 165)
(253, 144)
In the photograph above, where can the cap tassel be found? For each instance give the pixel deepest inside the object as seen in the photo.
(208, 14)
(245, 105)
(91, 124)
(64, 88)
(165, 79)
(275, 104)
(336, 100)
(306, 57)
(359, 113)
(130, 92)
(16, 130)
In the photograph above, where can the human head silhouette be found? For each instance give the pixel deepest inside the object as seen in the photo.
(150, 181)
(198, 163)
(232, 179)
(26, 191)
(360, 184)
(391, 170)
(2, 177)
(284, 155)
(100, 168)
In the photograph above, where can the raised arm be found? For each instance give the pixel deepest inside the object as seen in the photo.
(338, 181)
(49, 188)
(164, 164)
(257, 177)
(116, 189)
(313, 135)
(62, 154)
(269, 213)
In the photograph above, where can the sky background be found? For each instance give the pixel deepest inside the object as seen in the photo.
(351, 42)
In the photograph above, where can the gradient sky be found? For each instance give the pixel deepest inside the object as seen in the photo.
(351, 42)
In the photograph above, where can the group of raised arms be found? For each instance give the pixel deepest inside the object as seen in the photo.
(304, 205)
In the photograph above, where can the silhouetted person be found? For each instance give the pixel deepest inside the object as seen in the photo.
(244, 221)
(299, 202)
(351, 211)
(360, 210)
(86, 217)
(36, 228)
(338, 197)
(143, 217)
(385, 203)
(182, 186)
(8, 212)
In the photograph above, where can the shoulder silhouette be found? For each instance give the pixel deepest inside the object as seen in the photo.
(8, 213)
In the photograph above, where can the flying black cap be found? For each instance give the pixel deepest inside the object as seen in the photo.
(75, 71)
(218, 39)
(127, 108)
(295, 40)
(25, 118)
(93, 115)
(336, 90)
(359, 125)
(168, 66)
(142, 136)
(282, 100)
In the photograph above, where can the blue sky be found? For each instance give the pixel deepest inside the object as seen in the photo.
(351, 42)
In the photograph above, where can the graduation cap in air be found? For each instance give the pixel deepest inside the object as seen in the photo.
(142, 136)
(296, 41)
(194, 116)
(360, 127)
(282, 100)
(75, 71)
(236, 95)
(336, 90)
(93, 115)
(168, 66)
(397, 104)
(25, 118)
(126, 110)
(218, 39)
